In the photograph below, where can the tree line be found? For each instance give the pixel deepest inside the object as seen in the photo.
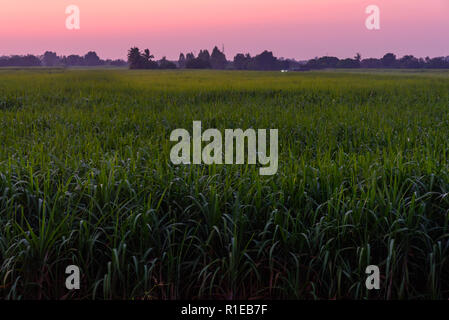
(51, 59)
(267, 61)
(389, 60)
(204, 60)
(138, 59)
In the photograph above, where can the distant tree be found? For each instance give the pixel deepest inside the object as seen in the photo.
(389, 60)
(218, 59)
(165, 64)
(30, 61)
(294, 64)
(204, 59)
(358, 57)
(191, 61)
(135, 60)
(348, 63)
(138, 60)
(323, 62)
(371, 63)
(118, 63)
(91, 59)
(197, 64)
(182, 61)
(265, 61)
(20, 61)
(201, 62)
(147, 56)
(204, 55)
(409, 61)
(73, 60)
(148, 60)
(50, 59)
(437, 63)
(283, 64)
(241, 62)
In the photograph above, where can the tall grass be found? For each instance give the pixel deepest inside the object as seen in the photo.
(85, 179)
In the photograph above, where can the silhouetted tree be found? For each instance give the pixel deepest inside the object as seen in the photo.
(148, 62)
(348, 63)
(204, 55)
(165, 64)
(182, 61)
(409, 61)
(282, 64)
(135, 60)
(201, 62)
(118, 63)
(50, 59)
(218, 59)
(138, 60)
(323, 62)
(437, 63)
(91, 59)
(20, 61)
(73, 60)
(239, 61)
(389, 60)
(371, 63)
(265, 61)
(147, 56)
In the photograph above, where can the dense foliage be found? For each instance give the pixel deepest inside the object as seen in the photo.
(85, 179)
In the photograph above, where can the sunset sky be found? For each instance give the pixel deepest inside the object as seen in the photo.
(300, 29)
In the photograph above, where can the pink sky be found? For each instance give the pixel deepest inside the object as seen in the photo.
(299, 29)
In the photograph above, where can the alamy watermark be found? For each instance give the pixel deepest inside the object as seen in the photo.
(72, 22)
(213, 153)
(372, 22)
(72, 282)
(373, 279)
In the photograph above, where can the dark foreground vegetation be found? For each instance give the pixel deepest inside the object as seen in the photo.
(85, 179)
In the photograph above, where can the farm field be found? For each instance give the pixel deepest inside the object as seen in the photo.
(86, 179)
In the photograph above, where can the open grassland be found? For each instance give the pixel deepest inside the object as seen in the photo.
(85, 179)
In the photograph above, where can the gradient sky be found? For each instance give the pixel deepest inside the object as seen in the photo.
(300, 29)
